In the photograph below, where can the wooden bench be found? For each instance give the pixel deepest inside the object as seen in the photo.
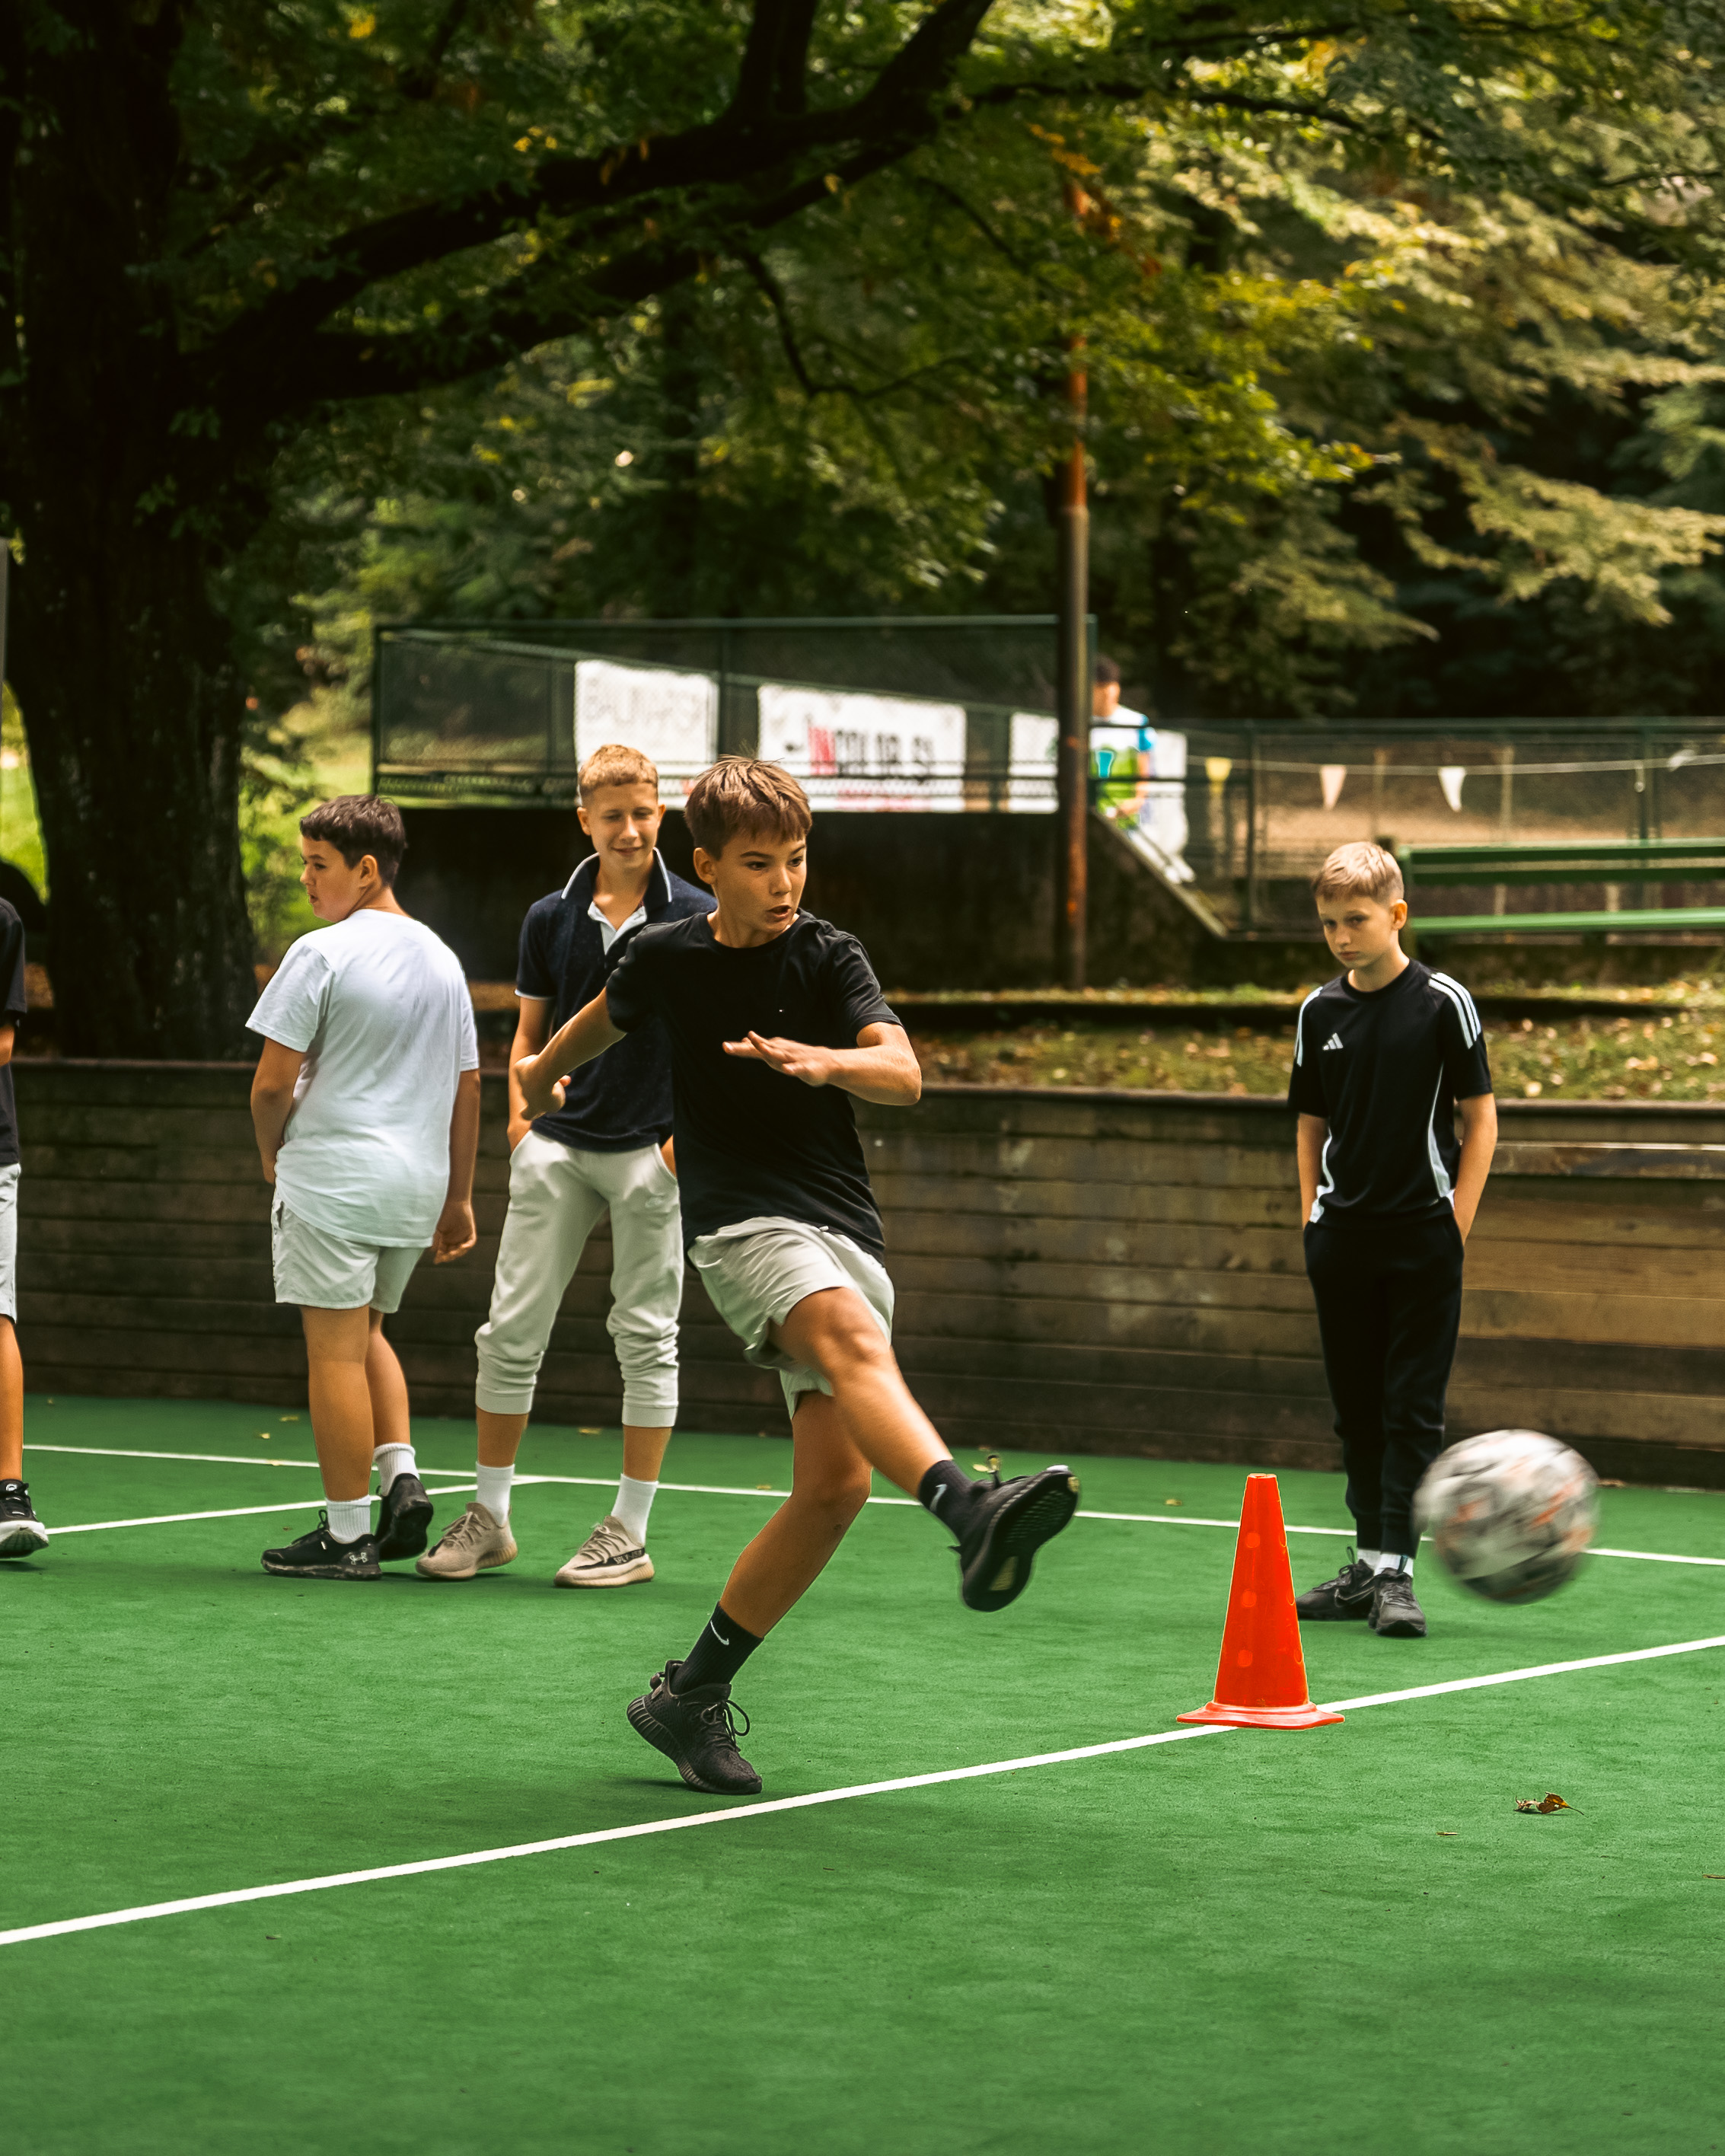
(1569, 861)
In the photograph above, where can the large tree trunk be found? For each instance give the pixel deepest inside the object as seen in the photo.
(120, 661)
(120, 665)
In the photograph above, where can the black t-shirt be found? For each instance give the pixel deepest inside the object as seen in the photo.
(622, 1101)
(751, 1141)
(13, 1006)
(1385, 1070)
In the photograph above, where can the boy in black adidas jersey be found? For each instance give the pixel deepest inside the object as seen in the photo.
(774, 1018)
(1385, 1057)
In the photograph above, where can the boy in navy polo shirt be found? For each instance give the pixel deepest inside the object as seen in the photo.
(606, 1145)
(775, 1019)
(1384, 1057)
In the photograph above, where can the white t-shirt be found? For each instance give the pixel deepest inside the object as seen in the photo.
(381, 1008)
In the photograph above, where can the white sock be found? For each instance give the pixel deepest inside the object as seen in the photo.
(634, 1501)
(393, 1460)
(1393, 1561)
(493, 1491)
(1372, 1558)
(349, 1517)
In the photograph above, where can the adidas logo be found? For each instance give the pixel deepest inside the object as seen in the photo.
(1334, 1041)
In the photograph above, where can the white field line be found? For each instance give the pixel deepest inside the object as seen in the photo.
(232, 1513)
(191, 1903)
(686, 1489)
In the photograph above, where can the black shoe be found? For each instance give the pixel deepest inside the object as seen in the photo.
(696, 1730)
(1011, 1523)
(21, 1534)
(318, 1556)
(403, 1518)
(1395, 1614)
(1348, 1594)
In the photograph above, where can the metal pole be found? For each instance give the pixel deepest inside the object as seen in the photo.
(1073, 666)
(1506, 818)
(1251, 836)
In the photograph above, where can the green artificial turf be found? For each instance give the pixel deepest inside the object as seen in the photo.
(1247, 1942)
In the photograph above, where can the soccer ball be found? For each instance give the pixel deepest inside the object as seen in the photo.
(1511, 1513)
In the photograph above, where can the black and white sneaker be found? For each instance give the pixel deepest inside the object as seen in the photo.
(21, 1534)
(696, 1730)
(1395, 1614)
(1348, 1594)
(403, 1519)
(318, 1556)
(1012, 1520)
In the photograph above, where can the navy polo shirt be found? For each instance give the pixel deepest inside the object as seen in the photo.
(622, 1100)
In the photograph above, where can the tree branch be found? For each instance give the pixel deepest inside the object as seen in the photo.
(775, 61)
(896, 111)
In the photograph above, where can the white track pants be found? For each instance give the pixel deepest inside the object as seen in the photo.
(556, 1196)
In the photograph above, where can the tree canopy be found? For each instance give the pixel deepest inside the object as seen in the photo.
(1401, 323)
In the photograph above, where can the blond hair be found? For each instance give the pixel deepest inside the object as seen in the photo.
(1361, 870)
(615, 765)
(741, 794)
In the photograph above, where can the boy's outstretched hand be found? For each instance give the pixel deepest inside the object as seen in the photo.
(791, 1059)
(454, 1234)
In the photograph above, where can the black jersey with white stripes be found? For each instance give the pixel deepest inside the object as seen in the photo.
(1385, 1069)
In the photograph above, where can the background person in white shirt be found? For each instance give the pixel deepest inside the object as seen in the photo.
(365, 1105)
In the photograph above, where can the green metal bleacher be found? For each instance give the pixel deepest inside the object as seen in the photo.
(1612, 862)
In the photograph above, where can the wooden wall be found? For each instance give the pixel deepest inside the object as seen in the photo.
(1077, 1272)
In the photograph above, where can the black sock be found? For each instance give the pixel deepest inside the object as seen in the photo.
(720, 1651)
(949, 1493)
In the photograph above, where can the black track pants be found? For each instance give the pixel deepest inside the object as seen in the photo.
(1388, 1298)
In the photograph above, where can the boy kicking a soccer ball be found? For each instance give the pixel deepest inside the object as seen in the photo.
(365, 1105)
(605, 1146)
(774, 1019)
(1385, 1057)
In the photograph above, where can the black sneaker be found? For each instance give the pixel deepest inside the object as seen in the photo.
(1012, 1520)
(21, 1534)
(1348, 1594)
(1395, 1614)
(318, 1556)
(403, 1518)
(696, 1730)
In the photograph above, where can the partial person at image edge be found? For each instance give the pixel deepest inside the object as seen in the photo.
(21, 1534)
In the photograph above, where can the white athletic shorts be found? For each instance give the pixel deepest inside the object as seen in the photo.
(322, 1271)
(8, 1242)
(758, 1271)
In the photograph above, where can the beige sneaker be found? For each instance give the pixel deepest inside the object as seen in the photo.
(475, 1543)
(610, 1556)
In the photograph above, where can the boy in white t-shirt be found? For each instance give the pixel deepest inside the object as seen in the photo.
(366, 1108)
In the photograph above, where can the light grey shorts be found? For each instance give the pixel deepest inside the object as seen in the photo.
(758, 1271)
(8, 1242)
(322, 1271)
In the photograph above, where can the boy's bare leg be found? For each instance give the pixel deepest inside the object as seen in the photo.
(12, 1405)
(338, 1352)
(388, 1387)
(830, 1482)
(834, 1332)
(643, 1450)
(500, 1440)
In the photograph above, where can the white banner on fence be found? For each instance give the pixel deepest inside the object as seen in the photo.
(857, 752)
(1035, 739)
(672, 717)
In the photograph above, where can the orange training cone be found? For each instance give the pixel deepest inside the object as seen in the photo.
(1260, 1683)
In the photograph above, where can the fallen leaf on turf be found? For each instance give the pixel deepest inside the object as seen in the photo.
(1607, 1483)
(1550, 1802)
(1448, 1833)
(1170, 1501)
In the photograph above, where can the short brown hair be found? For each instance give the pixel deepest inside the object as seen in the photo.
(743, 793)
(615, 765)
(1361, 870)
(357, 824)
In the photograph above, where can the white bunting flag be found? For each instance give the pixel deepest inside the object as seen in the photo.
(1333, 775)
(1450, 777)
